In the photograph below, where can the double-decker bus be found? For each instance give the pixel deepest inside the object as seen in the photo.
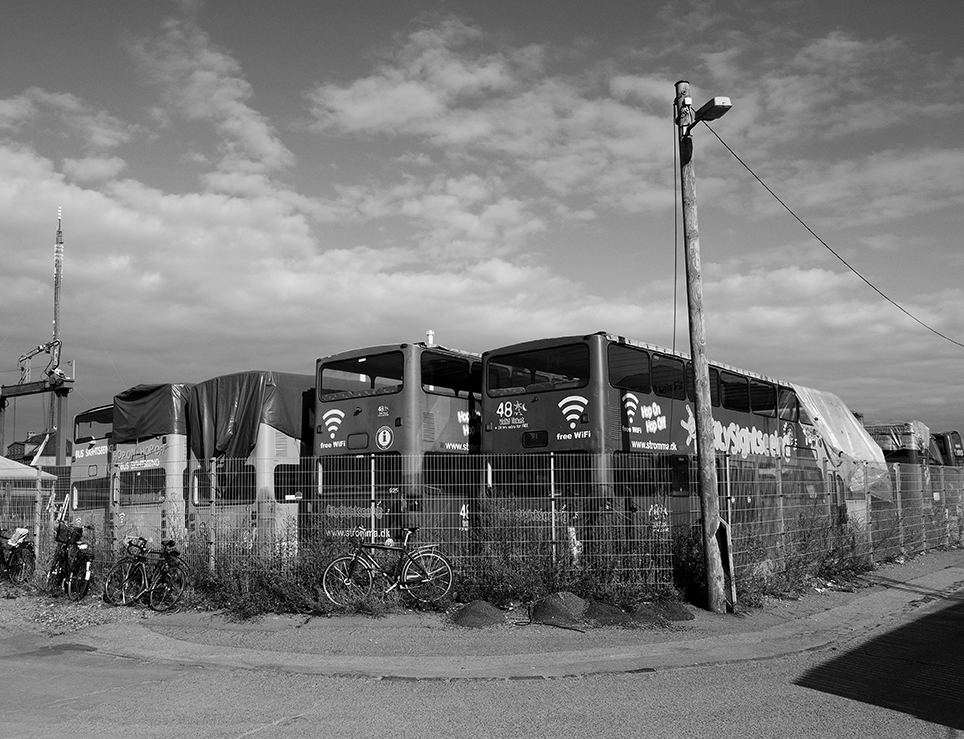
(250, 436)
(589, 442)
(397, 439)
(950, 447)
(149, 461)
(90, 500)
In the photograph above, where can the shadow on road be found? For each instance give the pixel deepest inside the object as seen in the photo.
(916, 669)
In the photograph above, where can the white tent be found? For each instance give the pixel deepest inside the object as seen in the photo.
(10, 470)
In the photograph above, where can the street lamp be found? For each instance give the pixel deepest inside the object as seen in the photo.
(686, 119)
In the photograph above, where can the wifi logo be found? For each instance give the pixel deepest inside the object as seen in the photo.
(572, 408)
(332, 420)
(631, 404)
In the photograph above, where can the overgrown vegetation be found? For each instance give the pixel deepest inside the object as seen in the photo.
(503, 568)
(817, 547)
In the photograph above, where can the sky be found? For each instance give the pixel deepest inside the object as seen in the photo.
(249, 185)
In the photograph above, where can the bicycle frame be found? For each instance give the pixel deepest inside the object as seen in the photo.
(363, 553)
(422, 572)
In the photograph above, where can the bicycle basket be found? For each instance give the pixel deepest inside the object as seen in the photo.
(67, 534)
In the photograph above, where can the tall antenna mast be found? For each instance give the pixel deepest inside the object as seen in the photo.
(54, 380)
(58, 280)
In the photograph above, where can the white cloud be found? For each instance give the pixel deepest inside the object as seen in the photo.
(92, 169)
(200, 82)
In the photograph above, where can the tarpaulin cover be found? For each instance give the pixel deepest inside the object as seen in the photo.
(224, 413)
(895, 436)
(856, 457)
(146, 411)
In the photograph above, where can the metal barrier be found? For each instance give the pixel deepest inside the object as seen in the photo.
(625, 521)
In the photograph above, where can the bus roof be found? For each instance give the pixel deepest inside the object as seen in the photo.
(383, 348)
(539, 343)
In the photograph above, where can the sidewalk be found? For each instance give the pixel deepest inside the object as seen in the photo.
(427, 646)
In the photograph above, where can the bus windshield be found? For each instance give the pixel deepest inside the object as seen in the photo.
(537, 371)
(357, 377)
(93, 424)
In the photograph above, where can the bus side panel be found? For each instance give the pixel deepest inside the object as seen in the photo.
(89, 503)
(148, 483)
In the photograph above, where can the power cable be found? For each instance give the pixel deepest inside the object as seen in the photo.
(828, 247)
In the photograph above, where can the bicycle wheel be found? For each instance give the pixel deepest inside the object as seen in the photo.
(56, 574)
(78, 581)
(167, 588)
(124, 583)
(135, 584)
(23, 564)
(427, 576)
(346, 581)
(114, 582)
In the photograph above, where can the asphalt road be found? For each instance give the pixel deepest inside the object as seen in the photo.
(70, 692)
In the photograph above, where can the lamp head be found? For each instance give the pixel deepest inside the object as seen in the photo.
(713, 109)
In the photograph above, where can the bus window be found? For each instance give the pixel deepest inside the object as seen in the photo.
(714, 385)
(237, 482)
(202, 488)
(291, 482)
(91, 494)
(669, 377)
(763, 398)
(360, 376)
(789, 406)
(629, 369)
(446, 375)
(139, 487)
(736, 392)
(94, 424)
(541, 370)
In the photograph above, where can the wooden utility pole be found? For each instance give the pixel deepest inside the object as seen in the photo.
(705, 444)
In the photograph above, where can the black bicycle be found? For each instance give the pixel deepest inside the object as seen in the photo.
(17, 556)
(134, 579)
(422, 572)
(70, 568)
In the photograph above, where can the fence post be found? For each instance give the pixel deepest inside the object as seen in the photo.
(37, 509)
(900, 507)
(7, 495)
(868, 502)
(781, 513)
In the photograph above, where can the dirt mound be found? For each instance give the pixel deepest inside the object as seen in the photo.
(478, 614)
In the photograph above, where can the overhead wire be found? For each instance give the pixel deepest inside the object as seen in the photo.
(829, 248)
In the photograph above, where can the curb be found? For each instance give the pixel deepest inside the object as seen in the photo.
(846, 622)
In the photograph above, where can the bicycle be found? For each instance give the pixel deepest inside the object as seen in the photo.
(17, 556)
(423, 572)
(70, 567)
(128, 581)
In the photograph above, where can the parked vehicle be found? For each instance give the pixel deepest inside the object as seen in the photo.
(17, 556)
(70, 567)
(135, 579)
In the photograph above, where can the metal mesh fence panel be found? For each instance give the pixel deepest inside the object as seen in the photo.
(537, 520)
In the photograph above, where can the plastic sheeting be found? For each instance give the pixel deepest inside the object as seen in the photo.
(224, 413)
(850, 449)
(145, 411)
(895, 436)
